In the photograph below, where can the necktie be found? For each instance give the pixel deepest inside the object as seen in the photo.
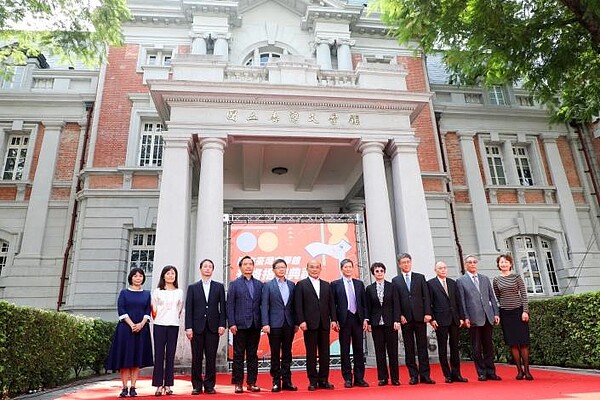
(351, 296)
(476, 281)
(284, 290)
(445, 286)
(408, 281)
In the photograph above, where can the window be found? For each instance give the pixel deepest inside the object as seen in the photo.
(160, 57)
(3, 255)
(496, 95)
(263, 55)
(15, 79)
(496, 167)
(142, 253)
(534, 261)
(16, 155)
(523, 165)
(151, 145)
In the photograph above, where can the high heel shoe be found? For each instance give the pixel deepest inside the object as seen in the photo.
(159, 391)
(520, 376)
(168, 390)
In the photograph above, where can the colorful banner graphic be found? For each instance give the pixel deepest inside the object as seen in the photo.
(296, 244)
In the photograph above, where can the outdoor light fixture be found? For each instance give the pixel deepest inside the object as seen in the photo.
(279, 170)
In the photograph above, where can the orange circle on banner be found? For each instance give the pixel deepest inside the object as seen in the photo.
(268, 241)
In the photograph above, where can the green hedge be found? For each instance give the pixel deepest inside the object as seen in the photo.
(42, 349)
(565, 332)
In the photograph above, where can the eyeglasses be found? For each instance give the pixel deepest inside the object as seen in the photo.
(377, 271)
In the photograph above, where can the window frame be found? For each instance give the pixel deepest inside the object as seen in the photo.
(497, 96)
(537, 252)
(6, 132)
(147, 265)
(155, 133)
(4, 255)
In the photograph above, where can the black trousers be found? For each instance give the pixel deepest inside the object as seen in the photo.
(245, 345)
(204, 345)
(442, 334)
(165, 344)
(352, 333)
(386, 340)
(280, 342)
(317, 341)
(416, 332)
(483, 349)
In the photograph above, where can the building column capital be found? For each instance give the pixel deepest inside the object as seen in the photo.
(53, 125)
(212, 143)
(371, 146)
(403, 146)
(466, 135)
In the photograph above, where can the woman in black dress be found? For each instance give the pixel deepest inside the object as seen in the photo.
(514, 314)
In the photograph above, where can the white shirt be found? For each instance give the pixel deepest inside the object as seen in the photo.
(206, 287)
(317, 285)
(167, 304)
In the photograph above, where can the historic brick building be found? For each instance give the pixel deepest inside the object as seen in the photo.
(214, 109)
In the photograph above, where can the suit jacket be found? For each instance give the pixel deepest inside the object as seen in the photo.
(242, 309)
(414, 301)
(273, 311)
(338, 289)
(478, 305)
(446, 309)
(315, 311)
(200, 315)
(389, 309)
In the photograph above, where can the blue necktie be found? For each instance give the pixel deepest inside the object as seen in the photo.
(408, 281)
(351, 296)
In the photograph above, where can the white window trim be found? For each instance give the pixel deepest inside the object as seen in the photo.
(5, 132)
(145, 232)
(145, 49)
(142, 111)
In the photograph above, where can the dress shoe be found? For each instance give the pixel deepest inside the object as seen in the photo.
(382, 383)
(528, 376)
(168, 391)
(238, 389)
(196, 392)
(210, 391)
(396, 383)
(290, 387)
(448, 380)
(132, 392)
(252, 388)
(481, 378)
(325, 385)
(428, 381)
(413, 381)
(361, 384)
(460, 379)
(312, 388)
(347, 384)
(494, 377)
(124, 392)
(276, 388)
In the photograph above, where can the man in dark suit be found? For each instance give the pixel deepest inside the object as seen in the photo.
(446, 319)
(350, 310)
(277, 309)
(481, 314)
(415, 307)
(315, 315)
(205, 321)
(243, 313)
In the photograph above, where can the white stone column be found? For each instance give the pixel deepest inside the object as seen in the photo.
(323, 53)
(37, 210)
(377, 207)
(173, 219)
(222, 47)
(568, 211)
(344, 56)
(481, 211)
(198, 45)
(412, 218)
(209, 225)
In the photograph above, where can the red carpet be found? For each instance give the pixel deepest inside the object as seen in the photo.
(548, 385)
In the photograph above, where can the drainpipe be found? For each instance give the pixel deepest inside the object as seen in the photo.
(438, 117)
(579, 128)
(89, 108)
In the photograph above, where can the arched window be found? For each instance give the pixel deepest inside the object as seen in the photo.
(262, 55)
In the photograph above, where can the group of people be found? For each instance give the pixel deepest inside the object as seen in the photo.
(279, 308)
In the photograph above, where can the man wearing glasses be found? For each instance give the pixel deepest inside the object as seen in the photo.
(481, 314)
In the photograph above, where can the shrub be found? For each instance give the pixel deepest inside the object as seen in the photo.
(566, 322)
(40, 348)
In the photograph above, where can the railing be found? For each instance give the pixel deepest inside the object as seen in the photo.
(51, 80)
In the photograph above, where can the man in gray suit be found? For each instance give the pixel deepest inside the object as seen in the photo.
(481, 313)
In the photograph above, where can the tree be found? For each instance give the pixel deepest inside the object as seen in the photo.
(552, 47)
(70, 29)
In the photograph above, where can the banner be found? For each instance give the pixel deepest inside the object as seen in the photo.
(297, 244)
